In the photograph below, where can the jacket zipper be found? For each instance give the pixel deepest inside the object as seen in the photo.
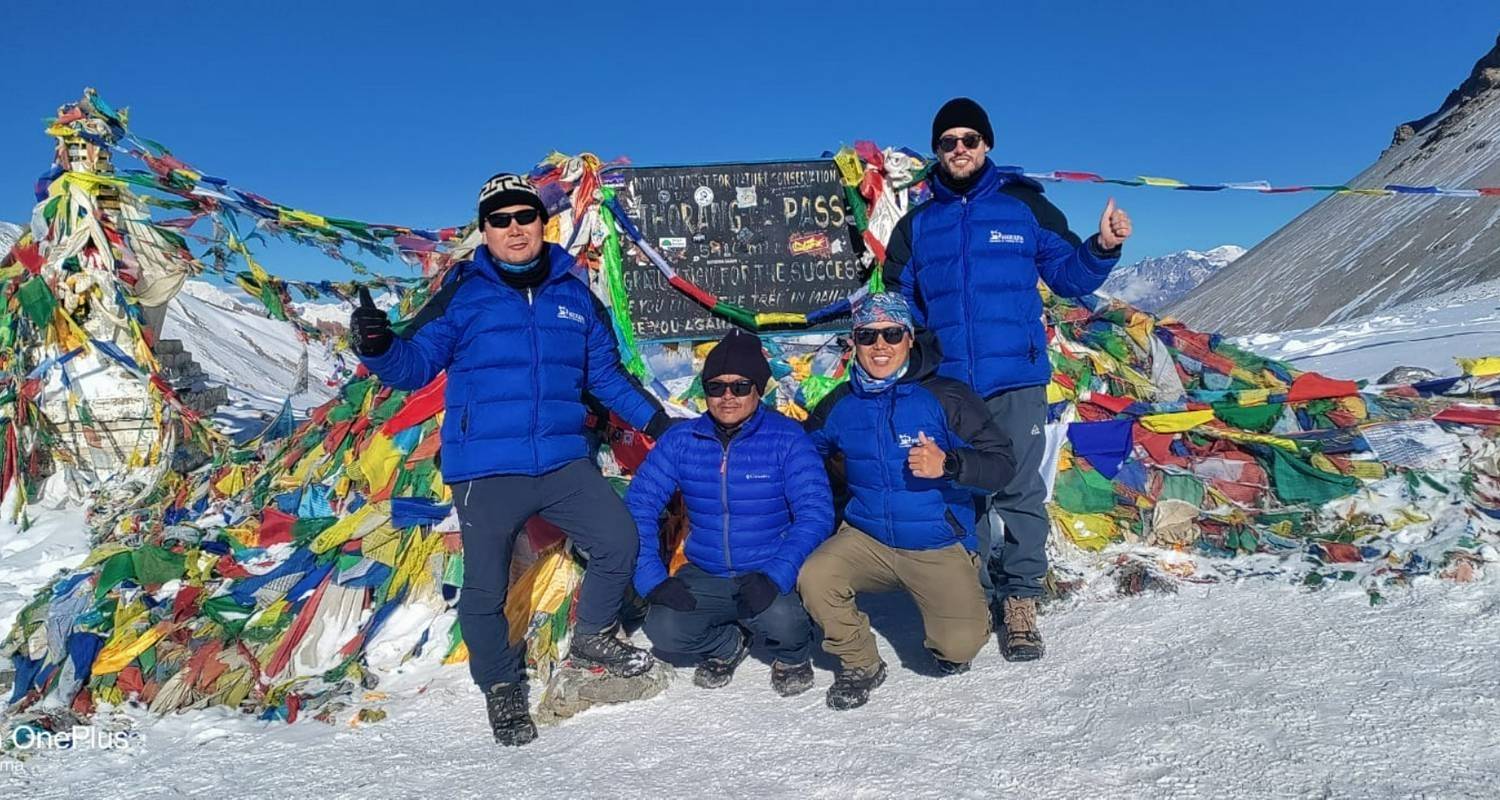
(885, 475)
(536, 381)
(724, 503)
(963, 255)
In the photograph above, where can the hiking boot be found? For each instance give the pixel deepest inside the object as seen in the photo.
(605, 649)
(1020, 640)
(851, 689)
(510, 720)
(716, 673)
(948, 668)
(790, 680)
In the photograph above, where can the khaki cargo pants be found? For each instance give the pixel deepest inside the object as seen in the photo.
(944, 583)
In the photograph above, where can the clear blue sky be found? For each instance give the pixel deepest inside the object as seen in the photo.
(396, 112)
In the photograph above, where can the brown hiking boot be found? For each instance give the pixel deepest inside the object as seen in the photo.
(1020, 639)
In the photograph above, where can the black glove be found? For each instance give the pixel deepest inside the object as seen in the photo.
(757, 593)
(369, 327)
(674, 594)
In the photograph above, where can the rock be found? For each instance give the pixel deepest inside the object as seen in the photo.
(574, 689)
(1406, 375)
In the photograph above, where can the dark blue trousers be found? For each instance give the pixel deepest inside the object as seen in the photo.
(492, 511)
(712, 629)
(1017, 561)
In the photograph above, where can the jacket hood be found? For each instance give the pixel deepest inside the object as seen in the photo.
(993, 178)
(926, 355)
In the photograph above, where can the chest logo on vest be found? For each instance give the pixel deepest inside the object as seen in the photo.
(757, 476)
(906, 441)
(563, 312)
(1001, 237)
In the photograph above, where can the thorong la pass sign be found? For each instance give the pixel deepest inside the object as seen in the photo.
(762, 236)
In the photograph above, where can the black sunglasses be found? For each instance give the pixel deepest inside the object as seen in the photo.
(501, 219)
(741, 387)
(867, 336)
(948, 144)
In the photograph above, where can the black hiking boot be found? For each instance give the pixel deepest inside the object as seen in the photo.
(948, 668)
(510, 720)
(716, 673)
(851, 689)
(604, 649)
(790, 680)
(1020, 639)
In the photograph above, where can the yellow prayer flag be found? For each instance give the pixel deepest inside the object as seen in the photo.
(379, 460)
(850, 169)
(1088, 531)
(1254, 397)
(1480, 367)
(1177, 422)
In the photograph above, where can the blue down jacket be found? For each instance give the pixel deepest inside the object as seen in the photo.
(759, 504)
(866, 436)
(969, 265)
(518, 362)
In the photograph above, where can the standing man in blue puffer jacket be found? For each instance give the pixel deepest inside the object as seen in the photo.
(968, 261)
(521, 338)
(913, 448)
(757, 505)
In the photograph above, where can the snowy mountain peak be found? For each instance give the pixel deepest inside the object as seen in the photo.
(1351, 256)
(1226, 253)
(9, 234)
(1153, 283)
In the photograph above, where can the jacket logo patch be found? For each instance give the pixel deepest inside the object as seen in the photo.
(757, 476)
(1001, 237)
(563, 312)
(906, 440)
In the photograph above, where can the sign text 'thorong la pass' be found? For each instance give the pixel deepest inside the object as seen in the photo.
(765, 236)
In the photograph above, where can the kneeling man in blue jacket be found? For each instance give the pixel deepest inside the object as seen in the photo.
(915, 449)
(757, 504)
(521, 337)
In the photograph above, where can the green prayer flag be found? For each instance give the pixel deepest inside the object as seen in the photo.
(1296, 481)
(37, 301)
(120, 567)
(155, 565)
(1083, 491)
(1182, 487)
(1259, 419)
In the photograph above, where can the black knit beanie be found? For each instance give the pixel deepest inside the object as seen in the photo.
(738, 353)
(506, 189)
(961, 112)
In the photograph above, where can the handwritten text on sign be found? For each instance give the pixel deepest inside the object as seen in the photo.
(767, 237)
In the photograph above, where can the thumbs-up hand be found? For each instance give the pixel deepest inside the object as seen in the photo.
(925, 459)
(1114, 226)
(369, 327)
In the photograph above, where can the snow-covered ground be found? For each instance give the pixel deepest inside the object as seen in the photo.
(1248, 689)
(257, 357)
(57, 539)
(1427, 333)
(1255, 690)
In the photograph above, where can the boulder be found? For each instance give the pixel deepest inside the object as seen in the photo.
(575, 689)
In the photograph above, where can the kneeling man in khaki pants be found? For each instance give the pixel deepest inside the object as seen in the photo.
(914, 450)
